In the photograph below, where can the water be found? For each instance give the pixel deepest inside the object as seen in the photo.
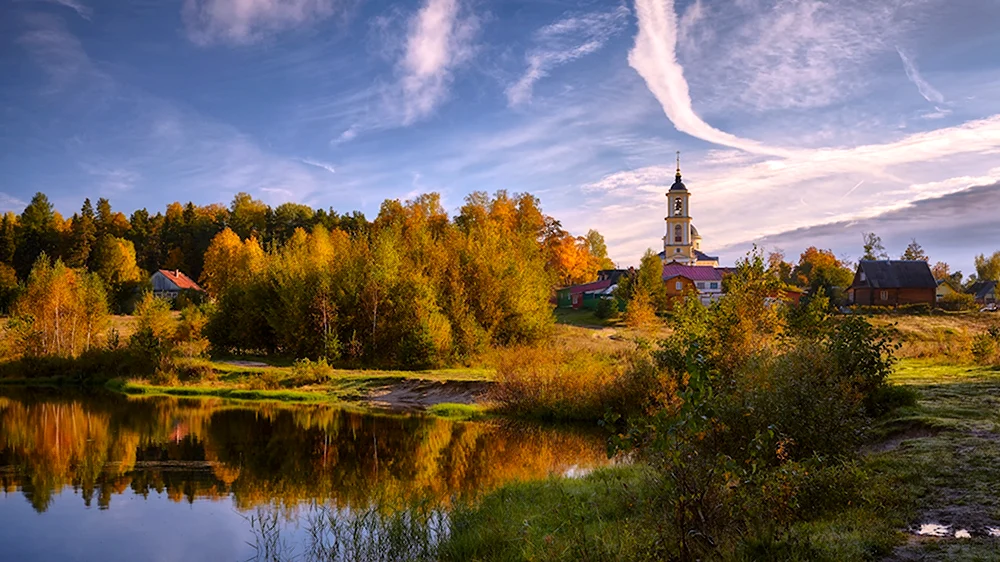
(106, 477)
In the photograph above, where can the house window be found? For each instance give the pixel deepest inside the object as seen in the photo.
(884, 295)
(701, 284)
(679, 285)
(713, 285)
(677, 234)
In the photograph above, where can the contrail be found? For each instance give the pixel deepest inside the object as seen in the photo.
(850, 191)
(929, 92)
(654, 57)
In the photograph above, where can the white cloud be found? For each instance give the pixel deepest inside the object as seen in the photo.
(318, 164)
(767, 55)
(735, 202)
(926, 90)
(61, 56)
(81, 9)
(439, 39)
(245, 21)
(654, 57)
(562, 42)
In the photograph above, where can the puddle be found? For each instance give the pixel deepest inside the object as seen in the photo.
(993, 531)
(962, 534)
(577, 472)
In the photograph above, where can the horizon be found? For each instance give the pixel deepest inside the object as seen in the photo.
(840, 117)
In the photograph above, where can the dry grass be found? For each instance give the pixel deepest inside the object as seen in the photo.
(945, 338)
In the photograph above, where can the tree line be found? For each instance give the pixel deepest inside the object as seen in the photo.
(413, 286)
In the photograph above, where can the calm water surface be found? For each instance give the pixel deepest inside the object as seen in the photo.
(106, 477)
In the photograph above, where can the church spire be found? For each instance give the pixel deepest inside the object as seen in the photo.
(678, 184)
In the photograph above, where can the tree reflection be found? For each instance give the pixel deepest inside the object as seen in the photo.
(264, 454)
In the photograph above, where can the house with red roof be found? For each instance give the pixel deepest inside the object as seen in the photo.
(681, 280)
(170, 283)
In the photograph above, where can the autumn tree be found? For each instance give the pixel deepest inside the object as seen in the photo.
(821, 271)
(83, 236)
(914, 252)
(248, 216)
(599, 249)
(873, 248)
(988, 267)
(66, 310)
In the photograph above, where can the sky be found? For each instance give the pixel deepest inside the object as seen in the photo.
(799, 122)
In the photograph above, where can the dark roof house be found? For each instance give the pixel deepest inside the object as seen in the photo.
(893, 283)
(985, 292)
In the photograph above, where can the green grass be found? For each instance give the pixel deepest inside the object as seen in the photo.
(229, 393)
(457, 411)
(580, 317)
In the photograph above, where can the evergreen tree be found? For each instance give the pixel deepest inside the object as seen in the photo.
(8, 238)
(38, 234)
(83, 237)
(914, 252)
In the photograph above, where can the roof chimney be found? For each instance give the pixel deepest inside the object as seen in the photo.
(177, 273)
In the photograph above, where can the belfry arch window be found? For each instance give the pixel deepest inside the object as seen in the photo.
(678, 206)
(678, 238)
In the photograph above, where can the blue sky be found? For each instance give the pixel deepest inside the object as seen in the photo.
(799, 121)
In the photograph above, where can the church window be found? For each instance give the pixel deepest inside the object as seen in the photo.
(677, 234)
(678, 206)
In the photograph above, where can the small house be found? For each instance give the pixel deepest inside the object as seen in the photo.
(985, 292)
(583, 296)
(947, 288)
(683, 279)
(170, 283)
(893, 283)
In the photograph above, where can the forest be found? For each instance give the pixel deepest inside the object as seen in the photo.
(414, 287)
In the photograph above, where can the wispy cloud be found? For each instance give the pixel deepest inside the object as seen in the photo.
(318, 164)
(562, 42)
(245, 21)
(766, 55)
(926, 90)
(654, 57)
(439, 39)
(61, 55)
(80, 8)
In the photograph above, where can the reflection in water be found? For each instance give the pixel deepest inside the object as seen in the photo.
(265, 454)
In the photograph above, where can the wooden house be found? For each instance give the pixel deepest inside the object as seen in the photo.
(985, 292)
(170, 283)
(704, 280)
(893, 283)
(946, 288)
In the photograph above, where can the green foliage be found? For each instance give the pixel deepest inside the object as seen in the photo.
(873, 248)
(958, 302)
(607, 309)
(988, 267)
(415, 290)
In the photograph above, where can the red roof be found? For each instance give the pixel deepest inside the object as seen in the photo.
(182, 281)
(692, 272)
(587, 287)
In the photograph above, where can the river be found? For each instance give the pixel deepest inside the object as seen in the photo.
(107, 477)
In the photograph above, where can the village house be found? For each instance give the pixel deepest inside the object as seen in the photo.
(947, 288)
(584, 296)
(985, 292)
(681, 280)
(893, 283)
(170, 283)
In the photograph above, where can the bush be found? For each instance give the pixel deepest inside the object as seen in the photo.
(958, 302)
(984, 348)
(606, 309)
(305, 372)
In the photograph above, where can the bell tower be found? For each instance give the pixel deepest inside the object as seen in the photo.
(677, 244)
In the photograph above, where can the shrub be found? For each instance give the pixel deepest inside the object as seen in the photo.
(984, 348)
(606, 309)
(305, 371)
(958, 302)
(640, 313)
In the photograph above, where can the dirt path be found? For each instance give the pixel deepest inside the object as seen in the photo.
(419, 394)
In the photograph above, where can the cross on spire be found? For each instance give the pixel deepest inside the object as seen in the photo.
(678, 165)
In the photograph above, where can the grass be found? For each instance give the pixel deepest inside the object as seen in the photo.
(133, 388)
(454, 411)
